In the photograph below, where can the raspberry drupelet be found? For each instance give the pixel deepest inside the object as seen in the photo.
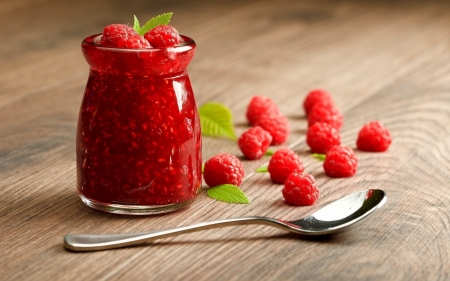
(327, 113)
(254, 142)
(134, 42)
(223, 168)
(277, 125)
(340, 162)
(321, 137)
(163, 36)
(314, 96)
(260, 106)
(374, 137)
(283, 163)
(122, 36)
(300, 189)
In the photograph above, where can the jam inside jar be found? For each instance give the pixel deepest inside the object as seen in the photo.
(138, 144)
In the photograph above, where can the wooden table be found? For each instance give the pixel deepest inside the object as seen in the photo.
(380, 60)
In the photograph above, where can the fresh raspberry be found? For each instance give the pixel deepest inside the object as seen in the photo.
(122, 36)
(163, 36)
(283, 163)
(300, 189)
(374, 137)
(327, 113)
(321, 137)
(260, 106)
(340, 162)
(314, 96)
(254, 142)
(277, 125)
(223, 168)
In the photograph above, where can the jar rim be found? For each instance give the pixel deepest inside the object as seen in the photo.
(187, 44)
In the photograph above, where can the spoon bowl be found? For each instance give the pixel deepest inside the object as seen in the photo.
(329, 219)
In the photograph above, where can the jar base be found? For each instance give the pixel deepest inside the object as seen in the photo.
(123, 209)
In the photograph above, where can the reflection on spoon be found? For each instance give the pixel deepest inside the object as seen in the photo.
(331, 218)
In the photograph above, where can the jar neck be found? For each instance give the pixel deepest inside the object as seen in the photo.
(138, 62)
(171, 75)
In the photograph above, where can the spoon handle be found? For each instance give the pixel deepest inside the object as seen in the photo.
(88, 242)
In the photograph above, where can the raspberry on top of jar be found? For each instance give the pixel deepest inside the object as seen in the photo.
(156, 33)
(156, 48)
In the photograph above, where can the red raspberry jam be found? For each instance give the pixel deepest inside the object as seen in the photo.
(138, 136)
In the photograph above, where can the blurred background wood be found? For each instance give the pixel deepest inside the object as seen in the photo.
(381, 60)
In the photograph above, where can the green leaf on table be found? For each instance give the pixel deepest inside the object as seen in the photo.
(262, 169)
(227, 193)
(136, 25)
(318, 156)
(216, 120)
(269, 152)
(163, 19)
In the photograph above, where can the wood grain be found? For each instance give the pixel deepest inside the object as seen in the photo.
(381, 61)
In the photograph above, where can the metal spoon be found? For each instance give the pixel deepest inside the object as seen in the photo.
(331, 218)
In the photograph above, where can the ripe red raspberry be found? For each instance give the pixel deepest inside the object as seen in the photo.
(300, 189)
(326, 113)
(374, 137)
(283, 163)
(340, 162)
(122, 36)
(163, 36)
(314, 96)
(254, 142)
(223, 168)
(277, 125)
(260, 106)
(321, 137)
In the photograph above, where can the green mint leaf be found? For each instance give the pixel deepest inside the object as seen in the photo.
(216, 120)
(136, 25)
(262, 169)
(163, 19)
(269, 152)
(227, 193)
(318, 156)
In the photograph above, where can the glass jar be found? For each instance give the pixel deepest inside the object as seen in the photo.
(138, 136)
